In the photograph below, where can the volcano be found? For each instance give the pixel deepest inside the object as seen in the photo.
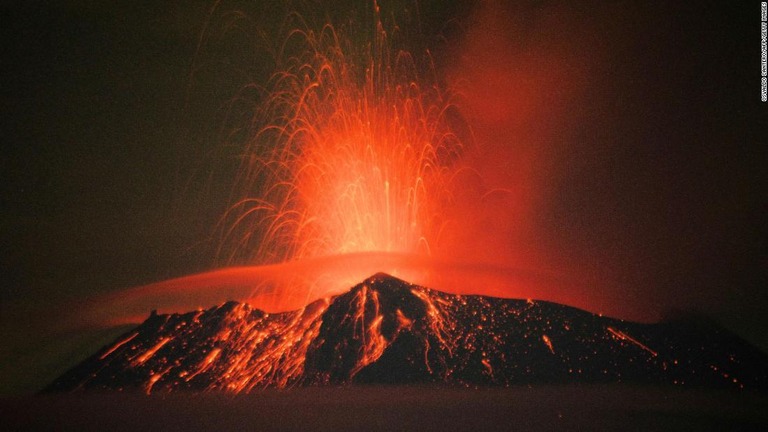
(387, 331)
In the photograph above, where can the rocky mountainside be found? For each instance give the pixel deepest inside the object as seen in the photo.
(385, 330)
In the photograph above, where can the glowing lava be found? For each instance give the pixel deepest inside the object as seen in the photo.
(385, 330)
(352, 150)
(350, 163)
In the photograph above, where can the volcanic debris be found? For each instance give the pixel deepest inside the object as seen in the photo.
(385, 330)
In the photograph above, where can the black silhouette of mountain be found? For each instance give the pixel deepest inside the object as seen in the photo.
(385, 330)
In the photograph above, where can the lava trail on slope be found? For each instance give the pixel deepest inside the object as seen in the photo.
(385, 330)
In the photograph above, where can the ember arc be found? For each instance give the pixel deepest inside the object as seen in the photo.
(387, 331)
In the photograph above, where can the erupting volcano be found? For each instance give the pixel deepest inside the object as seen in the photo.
(337, 215)
(387, 331)
(352, 161)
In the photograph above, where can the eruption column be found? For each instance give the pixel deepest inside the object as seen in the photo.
(352, 150)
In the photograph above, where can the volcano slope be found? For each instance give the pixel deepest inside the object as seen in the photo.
(387, 331)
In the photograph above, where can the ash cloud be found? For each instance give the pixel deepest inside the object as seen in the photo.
(611, 150)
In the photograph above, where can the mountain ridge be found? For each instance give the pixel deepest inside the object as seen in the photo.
(388, 331)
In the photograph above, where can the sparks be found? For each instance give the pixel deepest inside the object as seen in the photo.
(353, 151)
(625, 337)
(385, 330)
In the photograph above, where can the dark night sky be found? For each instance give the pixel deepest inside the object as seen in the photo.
(107, 134)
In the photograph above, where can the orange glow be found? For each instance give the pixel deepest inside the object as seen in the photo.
(265, 287)
(353, 151)
(548, 342)
(381, 328)
(374, 343)
(154, 379)
(403, 321)
(269, 350)
(150, 352)
(118, 345)
(625, 337)
(281, 345)
(361, 158)
(487, 366)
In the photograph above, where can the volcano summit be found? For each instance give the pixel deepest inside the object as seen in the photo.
(385, 330)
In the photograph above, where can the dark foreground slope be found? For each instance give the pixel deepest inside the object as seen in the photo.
(385, 330)
(607, 407)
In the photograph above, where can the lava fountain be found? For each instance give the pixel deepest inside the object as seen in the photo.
(353, 150)
(350, 163)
